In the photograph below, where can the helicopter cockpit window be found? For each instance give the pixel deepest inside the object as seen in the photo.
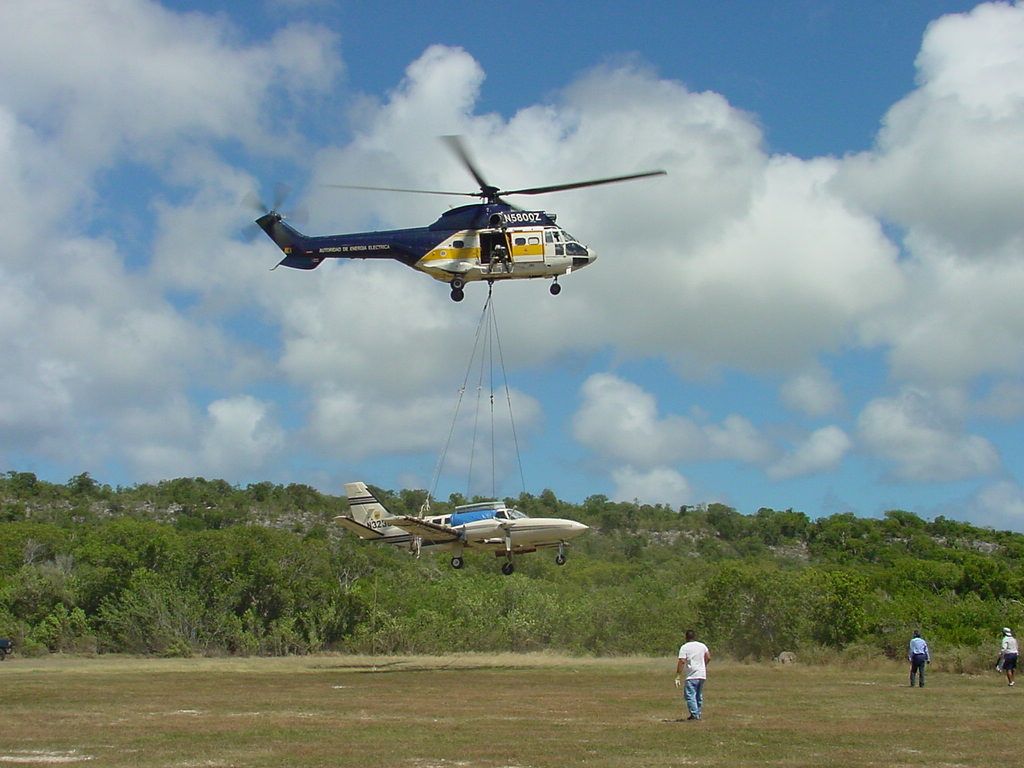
(575, 249)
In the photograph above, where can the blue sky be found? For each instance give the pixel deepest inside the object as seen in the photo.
(817, 308)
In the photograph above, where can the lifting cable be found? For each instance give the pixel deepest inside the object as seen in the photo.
(485, 344)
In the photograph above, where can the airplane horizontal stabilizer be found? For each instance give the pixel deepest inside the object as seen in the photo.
(362, 531)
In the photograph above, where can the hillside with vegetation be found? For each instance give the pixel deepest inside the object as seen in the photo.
(195, 566)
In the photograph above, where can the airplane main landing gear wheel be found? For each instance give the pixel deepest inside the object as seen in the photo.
(457, 294)
(507, 569)
(555, 289)
(457, 562)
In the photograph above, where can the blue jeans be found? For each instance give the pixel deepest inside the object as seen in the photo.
(693, 692)
(917, 664)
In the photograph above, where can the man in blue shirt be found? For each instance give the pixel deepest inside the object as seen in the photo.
(918, 656)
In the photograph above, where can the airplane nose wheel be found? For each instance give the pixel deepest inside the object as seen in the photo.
(507, 569)
(555, 288)
(560, 557)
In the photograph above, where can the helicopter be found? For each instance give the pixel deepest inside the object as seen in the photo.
(491, 240)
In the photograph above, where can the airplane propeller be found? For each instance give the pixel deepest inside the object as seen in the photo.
(490, 193)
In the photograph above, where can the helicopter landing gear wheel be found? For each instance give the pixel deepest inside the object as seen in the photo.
(555, 289)
(507, 569)
(457, 294)
(458, 283)
(457, 562)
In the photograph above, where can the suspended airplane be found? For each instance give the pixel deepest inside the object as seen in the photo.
(486, 525)
(491, 240)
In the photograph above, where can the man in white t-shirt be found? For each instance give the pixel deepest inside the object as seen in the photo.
(1008, 654)
(693, 659)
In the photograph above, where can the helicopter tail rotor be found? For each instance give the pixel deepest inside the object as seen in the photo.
(253, 202)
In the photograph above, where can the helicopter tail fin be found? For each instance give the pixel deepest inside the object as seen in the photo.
(297, 253)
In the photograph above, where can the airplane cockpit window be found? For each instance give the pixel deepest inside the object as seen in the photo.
(515, 514)
(500, 515)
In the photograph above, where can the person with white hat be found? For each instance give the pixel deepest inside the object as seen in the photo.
(1008, 654)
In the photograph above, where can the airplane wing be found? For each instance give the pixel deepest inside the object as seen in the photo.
(432, 532)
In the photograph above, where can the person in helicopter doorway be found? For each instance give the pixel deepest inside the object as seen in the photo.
(500, 255)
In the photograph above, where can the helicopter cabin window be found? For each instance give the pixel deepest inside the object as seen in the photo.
(533, 240)
(458, 244)
(520, 241)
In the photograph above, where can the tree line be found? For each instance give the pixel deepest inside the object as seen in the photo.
(195, 566)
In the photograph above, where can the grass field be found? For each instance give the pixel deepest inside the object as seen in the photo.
(525, 711)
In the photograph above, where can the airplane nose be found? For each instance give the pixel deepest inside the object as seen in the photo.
(575, 529)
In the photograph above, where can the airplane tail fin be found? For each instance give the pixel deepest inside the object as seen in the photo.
(294, 244)
(367, 517)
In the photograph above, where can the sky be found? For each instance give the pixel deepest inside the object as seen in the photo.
(817, 308)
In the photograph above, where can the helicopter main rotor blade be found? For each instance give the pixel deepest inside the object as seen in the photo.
(456, 145)
(398, 189)
(578, 184)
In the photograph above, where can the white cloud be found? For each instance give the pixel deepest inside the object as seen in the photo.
(659, 485)
(922, 435)
(963, 320)
(240, 437)
(71, 69)
(821, 451)
(619, 420)
(814, 392)
(999, 505)
(91, 345)
(947, 154)
(946, 171)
